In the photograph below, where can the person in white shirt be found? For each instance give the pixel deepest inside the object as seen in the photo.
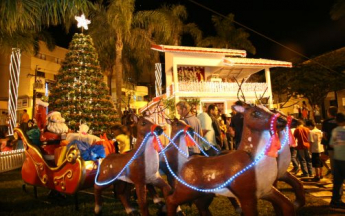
(206, 126)
(315, 137)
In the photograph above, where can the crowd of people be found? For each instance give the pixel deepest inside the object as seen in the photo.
(221, 130)
(315, 146)
(317, 141)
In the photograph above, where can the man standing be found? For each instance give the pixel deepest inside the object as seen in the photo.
(337, 141)
(24, 121)
(207, 129)
(301, 134)
(184, 110)
(213, 113)
(327, 126)
(236, 125)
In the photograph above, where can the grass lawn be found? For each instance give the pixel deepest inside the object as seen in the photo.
(14, 201)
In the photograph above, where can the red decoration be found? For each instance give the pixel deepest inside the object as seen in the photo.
(275, 145)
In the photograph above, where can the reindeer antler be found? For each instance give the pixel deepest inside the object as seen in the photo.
(262, 96)
(240, 89)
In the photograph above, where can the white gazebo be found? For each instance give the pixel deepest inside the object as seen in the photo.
(209, 74)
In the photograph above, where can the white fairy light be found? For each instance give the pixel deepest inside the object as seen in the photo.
(82, 21)
(13, 89)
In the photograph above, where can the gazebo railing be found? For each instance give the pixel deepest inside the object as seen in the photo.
(221, 87)
(10, 160)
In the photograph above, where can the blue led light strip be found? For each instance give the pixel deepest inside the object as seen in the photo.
(198, 145)
(256, 160)
(203, 139)
(125, 167)
(186, 154)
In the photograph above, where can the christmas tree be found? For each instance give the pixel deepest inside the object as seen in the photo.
(80, 93)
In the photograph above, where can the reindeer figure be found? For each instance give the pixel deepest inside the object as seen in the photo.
(254, 183)
(284, 160)
(176, 159)
(141, 171)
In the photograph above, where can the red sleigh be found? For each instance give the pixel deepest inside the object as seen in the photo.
(72, 175)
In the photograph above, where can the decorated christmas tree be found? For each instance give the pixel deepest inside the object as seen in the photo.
(80, 93)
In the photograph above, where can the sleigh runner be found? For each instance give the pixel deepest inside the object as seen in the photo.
(70, 176)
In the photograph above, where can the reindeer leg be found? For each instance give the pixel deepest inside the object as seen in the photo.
(282, 205)
(161, 184)
(123, 192)
(181, 195)
(153, 193)
(249, 205)
(234, 202)
(297, 187)
(203, 204)
(98, 198)
(142, 201)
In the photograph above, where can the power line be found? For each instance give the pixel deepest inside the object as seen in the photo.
(264, 36)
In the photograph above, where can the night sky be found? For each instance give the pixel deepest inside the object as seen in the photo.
(303, 25)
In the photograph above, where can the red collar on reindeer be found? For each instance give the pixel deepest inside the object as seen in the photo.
(292, 141)
(155, 141)
(275, 145)
(188, 139)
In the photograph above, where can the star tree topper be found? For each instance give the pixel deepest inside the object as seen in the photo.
(82, 22)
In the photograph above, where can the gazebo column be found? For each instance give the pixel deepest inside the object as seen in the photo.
(176, 90)
(269, 87)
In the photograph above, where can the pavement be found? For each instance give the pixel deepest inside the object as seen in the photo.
(321, 189)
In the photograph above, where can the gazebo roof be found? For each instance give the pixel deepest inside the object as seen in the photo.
(251, 62)
(199, 50)
(244, 67)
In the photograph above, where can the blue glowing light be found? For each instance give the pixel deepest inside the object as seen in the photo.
(125, 167)
(186, 154)
(220, 187)
(198, 145)
(256, 160)
(204, 140)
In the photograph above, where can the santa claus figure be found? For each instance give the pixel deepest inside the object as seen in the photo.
(56, 128)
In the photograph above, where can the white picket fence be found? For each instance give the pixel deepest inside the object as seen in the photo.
(10, 160)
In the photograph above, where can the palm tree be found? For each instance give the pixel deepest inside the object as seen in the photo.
(21, 22)
(338, 10)
(128, 37)
(36, 14)
(175, 16)
(228, 36)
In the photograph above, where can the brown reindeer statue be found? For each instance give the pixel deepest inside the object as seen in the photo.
(245, 174)
(139, 166)
(284, 157)
(284, 160)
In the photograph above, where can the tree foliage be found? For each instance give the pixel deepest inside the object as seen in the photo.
(338, 10)
(80, 93)
(312, 79)
(22, 21)
(228, 36)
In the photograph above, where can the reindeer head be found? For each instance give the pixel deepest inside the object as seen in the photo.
(177, 125)
(294, 122)
(258, 117)
(146, 125)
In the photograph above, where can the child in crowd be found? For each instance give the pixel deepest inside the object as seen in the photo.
(315, 136)
(120, 133)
